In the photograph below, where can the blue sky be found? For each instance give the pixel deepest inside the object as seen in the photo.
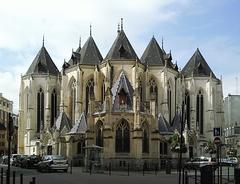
(211, 25)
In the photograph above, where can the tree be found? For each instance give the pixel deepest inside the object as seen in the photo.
(210, 148)
(232, 152)
(174, 142)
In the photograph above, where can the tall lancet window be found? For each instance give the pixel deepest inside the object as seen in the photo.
(140, 91)
(122, 140)
(153, 90)
(53, 107)
(89, 92)
(188, 109)
(199, 111)
(145, 138)
(99, 133)
(40, 110)
(103, 91)
(169, 98)
(73, 101)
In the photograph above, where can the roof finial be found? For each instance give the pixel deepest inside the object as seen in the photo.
(118, 30)
(121, 24)
(80, 41)
(162, 42)
(43, 41)
(90, 29)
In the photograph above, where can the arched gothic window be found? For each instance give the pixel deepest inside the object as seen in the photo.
(122, 141)
(73, 101)
(99, 133)
(154, 90)
(80, 147)
(199, 111)
(103, 91)
(145, 138)
(140, 91)
(53, 107)
(188, 109)
(89, 92)
(169, 98)
(40, 110)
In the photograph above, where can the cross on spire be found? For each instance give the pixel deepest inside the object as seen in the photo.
(90, 29)
(121, 24)
(43, 41)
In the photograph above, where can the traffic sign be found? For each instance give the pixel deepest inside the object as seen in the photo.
(217, 140)
(216, 131)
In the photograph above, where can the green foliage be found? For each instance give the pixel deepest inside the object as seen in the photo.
(232, 152)
(210, 148)
(174, 142)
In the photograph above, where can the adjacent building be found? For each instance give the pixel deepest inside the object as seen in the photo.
(6, 107)
(128, 106)
(232, 121)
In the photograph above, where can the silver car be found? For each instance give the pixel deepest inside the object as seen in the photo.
(52, 162)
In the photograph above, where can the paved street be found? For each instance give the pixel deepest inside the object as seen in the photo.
(78, 177)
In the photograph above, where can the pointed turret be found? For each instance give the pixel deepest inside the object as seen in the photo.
(43, 64)
(80, 125)
(121, 48)
(153, 54)
(197, 66)
(90, 55)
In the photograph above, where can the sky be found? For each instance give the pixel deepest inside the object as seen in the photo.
(185, 25)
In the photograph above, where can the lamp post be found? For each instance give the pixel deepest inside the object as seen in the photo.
(181, 143)
(10, 133)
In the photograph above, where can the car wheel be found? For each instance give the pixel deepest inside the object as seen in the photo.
(65, 170)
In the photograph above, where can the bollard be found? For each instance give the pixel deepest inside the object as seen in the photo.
(128, 168)
(90, 169)
(143, 169)
(183, 177)
(214, 176)
(33, 180)
(1, 175)
(186, 177)
(71, 167)
(13, 179)
(7, 177)
(110, 169)
(156, 169)
(228, 173)
(195, 176)
(21, 178)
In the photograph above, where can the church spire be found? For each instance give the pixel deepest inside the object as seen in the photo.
(90, 29)
(121, 24)
(43, 41)
(162, 42)
(80, 42)
(118, 30)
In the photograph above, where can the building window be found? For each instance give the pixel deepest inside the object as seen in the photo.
(154, 90)
(163, 148)
(72, 101)
(122, 142)
(40, 110)
(122, 98)
(103, 91)
(140, 91)
(199, 111)
(53, 107)
(99, 133)
(145, 138)
(80, 147)
(89, 92)
(169, 99)
(188, 109)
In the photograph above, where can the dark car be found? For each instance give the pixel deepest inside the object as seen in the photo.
(53, 162)
(30, 161)
(14, 160)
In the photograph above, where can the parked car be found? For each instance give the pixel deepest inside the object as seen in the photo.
(229, 161)
(200, 161)
(13, 159)
(30, 161)
(4, 159)
(53, 162)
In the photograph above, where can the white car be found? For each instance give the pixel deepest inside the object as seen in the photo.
(201, 161)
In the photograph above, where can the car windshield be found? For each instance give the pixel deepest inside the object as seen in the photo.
(57, 157)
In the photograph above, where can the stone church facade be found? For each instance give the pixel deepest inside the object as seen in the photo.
(127, 106)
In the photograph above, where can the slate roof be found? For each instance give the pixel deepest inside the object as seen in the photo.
(153, 54)
(89, 53)
(176, 123)
(197, 66)
(43, 64)
(121, 48)
(122, 83)
(163, 125)
(63, 121)
(80, 125)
